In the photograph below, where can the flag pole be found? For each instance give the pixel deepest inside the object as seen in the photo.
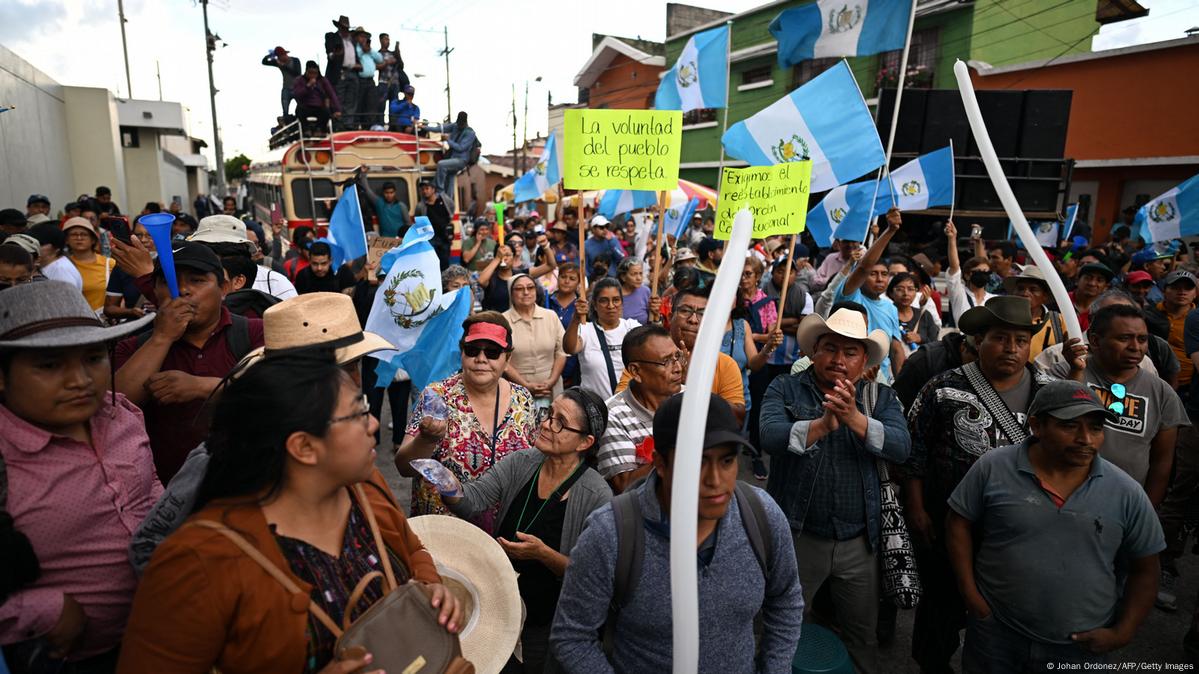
(582, 249)
(657, 259)
(728, 76)
(786, 279)
(903, 71)
(953, 185)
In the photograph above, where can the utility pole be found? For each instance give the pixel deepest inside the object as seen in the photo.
(524, 131)
(515, 167)
(158, 72)
(449, 108)
(210, 46)
(125, 48)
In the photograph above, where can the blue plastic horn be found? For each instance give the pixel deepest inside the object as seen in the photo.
(159, 227)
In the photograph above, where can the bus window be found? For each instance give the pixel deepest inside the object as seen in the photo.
(403, 189)
(302, 201)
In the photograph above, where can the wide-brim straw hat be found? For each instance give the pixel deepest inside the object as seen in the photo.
(847, 323)
(474, 567)
(317, 320)
(82, 223)
(53, 314)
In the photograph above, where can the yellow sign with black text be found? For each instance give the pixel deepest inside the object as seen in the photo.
(622, 149)
(776, 195)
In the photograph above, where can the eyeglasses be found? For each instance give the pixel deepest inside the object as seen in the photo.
(609, 301)
(685, 312)
(14, 281)
(556, 425)
(363, 416)
(675, 360)
(1118, 392)
(473, 351)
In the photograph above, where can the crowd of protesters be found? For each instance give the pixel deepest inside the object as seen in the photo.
(890, 399)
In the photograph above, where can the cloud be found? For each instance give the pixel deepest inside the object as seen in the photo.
(20, 19)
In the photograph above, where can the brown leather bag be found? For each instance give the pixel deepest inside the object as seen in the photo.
(400, 630)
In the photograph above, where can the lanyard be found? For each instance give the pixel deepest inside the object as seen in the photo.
(533, 487)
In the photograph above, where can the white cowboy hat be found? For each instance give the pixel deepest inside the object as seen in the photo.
(474, 567)
(317, 320)
(847, 323)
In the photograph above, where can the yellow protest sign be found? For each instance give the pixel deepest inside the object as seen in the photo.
(622, 149)
(776, 195)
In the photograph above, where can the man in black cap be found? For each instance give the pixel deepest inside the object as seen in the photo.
(958, 417)
(103, 204)
(746, 565)
(12, 222)
(170, 370)
(1167, 319)
(37, 204)
(1041, 535)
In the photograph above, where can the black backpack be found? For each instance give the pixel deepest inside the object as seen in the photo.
(475, 151)
(630, 538)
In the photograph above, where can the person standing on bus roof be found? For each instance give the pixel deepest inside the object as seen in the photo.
(290, 69)
(391, 212)
(461, 142)
(342, 69)
(439, 208)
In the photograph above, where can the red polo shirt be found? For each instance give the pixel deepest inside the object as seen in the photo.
(176, 429)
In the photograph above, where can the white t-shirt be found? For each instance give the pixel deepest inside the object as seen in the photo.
(592, 364)
(62, 270)
(272, 282)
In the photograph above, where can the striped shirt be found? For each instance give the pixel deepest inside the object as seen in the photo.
(629, 423)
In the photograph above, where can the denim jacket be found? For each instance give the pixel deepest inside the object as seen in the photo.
(789, 407)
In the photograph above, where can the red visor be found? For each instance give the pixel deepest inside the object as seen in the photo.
(489, 332)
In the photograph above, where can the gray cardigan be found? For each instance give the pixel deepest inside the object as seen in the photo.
(503, 482)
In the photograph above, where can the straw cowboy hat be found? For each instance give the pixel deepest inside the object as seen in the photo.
(317, 320)
(847, 323)
(474, 567)
(1005, 310)
(53, 314)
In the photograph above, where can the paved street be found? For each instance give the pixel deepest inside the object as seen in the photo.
(1159, 640)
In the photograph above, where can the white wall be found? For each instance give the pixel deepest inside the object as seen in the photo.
(95, 142)
(34, 156)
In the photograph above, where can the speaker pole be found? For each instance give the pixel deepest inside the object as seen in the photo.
(903, 71)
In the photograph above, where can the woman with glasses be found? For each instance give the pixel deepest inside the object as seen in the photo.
(544, 495)
(471, 420)
(83, 244)
(496, 277)
(598, 343)
(537, 356)
(122, 299)
(302, 492)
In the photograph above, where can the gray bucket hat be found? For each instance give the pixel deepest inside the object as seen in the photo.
(54, 314)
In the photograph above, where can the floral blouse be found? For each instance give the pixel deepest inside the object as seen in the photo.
(466, 449)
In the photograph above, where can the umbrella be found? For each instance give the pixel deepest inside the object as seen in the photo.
(677, 197)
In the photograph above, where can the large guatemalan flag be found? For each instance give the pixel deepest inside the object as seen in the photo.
(922, 183)
(840, 28)
(1172, 215)
(545, 174)
(347, 235)
(412, 313)
(825, 120)
(699, 79)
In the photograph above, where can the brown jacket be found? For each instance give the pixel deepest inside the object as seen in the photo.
(203, 603)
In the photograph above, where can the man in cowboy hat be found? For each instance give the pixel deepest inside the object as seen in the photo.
(80, 477)
(743, 572)
(565, 252)
(342, 67)
(1051, 584)
(957, 417)
(172, 369)
(1030, 284)
(824, 428)
(314, 321)
(867, 285)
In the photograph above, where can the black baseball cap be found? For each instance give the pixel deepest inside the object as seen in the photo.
(11, 217)
(1067, 399)
(722, 426)
(37, 199)
(193, 255)
(1097, 268)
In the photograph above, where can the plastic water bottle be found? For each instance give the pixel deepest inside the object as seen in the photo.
(433, 405)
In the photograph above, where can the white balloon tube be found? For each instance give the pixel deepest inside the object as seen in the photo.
(999, 181)
(684, 491)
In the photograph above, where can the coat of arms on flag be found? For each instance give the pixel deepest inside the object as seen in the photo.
(911, 188)
(844, 19)
(795, 149)
(688, 74)
(407, 298)
(1164, 211)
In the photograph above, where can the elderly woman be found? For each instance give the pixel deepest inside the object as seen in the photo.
(631, 274)
(598, 343)
(292, 476)
(537, 355)
(495, 277)
(471, 420)
(83, 244)
(544, 495)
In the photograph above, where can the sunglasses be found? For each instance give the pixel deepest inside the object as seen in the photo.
(1118, 391)
(473, 351)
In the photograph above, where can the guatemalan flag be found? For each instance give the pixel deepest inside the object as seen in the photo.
(545, 174)
(1172, 215)
(825, 120)
(836, 28)
(624, 201)
(678, 218)
(347, 235)
(922, 183)
(844, 213)
(699, 79)
(412, 313)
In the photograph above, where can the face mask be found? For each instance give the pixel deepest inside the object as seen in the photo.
(978, 279)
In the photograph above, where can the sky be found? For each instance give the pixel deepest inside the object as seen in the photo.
(497, 45)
